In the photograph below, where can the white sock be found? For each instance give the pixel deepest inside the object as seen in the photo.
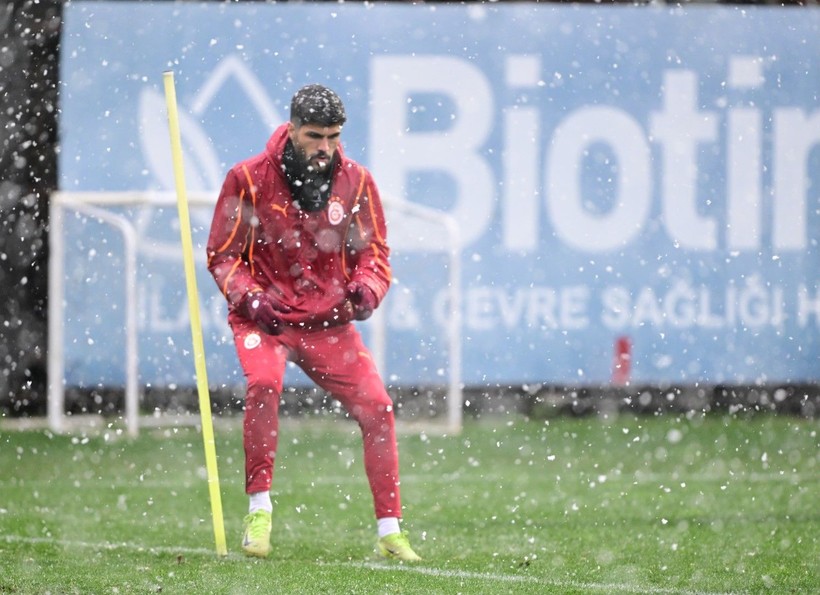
(388, 525)
(260, 501)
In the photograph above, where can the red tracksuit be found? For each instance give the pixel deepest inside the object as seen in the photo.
(259, 240)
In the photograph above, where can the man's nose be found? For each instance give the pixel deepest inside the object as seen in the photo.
(324, 145)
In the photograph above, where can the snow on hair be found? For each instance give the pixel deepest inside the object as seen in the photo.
(316, 104)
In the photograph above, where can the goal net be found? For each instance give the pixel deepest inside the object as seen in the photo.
(119, 327)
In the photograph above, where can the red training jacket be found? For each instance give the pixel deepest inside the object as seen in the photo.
(260, 241)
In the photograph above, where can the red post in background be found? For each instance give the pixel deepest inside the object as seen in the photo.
(622, 361)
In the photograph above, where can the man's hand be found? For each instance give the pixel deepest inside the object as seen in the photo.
(265, 311)
(362, 298)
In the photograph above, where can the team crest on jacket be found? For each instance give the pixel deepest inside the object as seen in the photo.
(252, 341)
(335, 211)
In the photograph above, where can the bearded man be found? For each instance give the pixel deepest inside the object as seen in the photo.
(298, 248)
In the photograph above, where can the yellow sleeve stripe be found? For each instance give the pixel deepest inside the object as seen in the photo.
(252, 188)
(228, 242)
(236, 263)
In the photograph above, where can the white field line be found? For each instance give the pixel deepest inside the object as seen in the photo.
(512, 578)
(386, 567)
(447, 478)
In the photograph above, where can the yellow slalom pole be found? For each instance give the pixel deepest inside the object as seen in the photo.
(193, 307)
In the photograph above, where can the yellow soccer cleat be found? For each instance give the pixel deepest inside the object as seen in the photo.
(256, 538)
(396, 547)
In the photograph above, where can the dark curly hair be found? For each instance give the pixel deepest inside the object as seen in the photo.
(316, 104)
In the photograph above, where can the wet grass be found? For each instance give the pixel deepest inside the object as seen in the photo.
(670, 504)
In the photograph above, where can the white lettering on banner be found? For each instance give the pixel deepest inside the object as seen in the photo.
(396, 151)
(684, 306)
(679, 128)
(751, 305)
(744, 160)
(743, 202)
(522, 136)
(795, 134)
(546, 308)
(808, 306)
(683, 132)
(576, 225)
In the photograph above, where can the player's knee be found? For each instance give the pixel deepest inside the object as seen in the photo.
(262, 391)
(377, 410)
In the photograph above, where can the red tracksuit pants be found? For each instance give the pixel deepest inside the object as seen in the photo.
(337, 360)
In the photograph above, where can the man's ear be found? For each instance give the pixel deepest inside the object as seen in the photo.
(291, 130)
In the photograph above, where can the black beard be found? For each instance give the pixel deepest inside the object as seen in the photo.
(310, 188)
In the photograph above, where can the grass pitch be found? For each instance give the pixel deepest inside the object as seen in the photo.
(668, 504)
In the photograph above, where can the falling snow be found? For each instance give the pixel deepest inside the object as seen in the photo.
(28, 86)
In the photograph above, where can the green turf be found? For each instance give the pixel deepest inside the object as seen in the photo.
(621, 505)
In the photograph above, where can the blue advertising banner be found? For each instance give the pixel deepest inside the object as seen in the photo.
(636, 173)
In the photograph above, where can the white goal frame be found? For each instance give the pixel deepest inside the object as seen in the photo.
(97, 204)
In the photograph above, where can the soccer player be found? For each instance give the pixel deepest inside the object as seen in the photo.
(298, 247)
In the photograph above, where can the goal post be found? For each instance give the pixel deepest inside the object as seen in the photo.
(56, 324)
(447, 242)
(118, 216)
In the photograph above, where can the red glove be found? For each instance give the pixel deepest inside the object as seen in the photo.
(362, 298)
(265, 311)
